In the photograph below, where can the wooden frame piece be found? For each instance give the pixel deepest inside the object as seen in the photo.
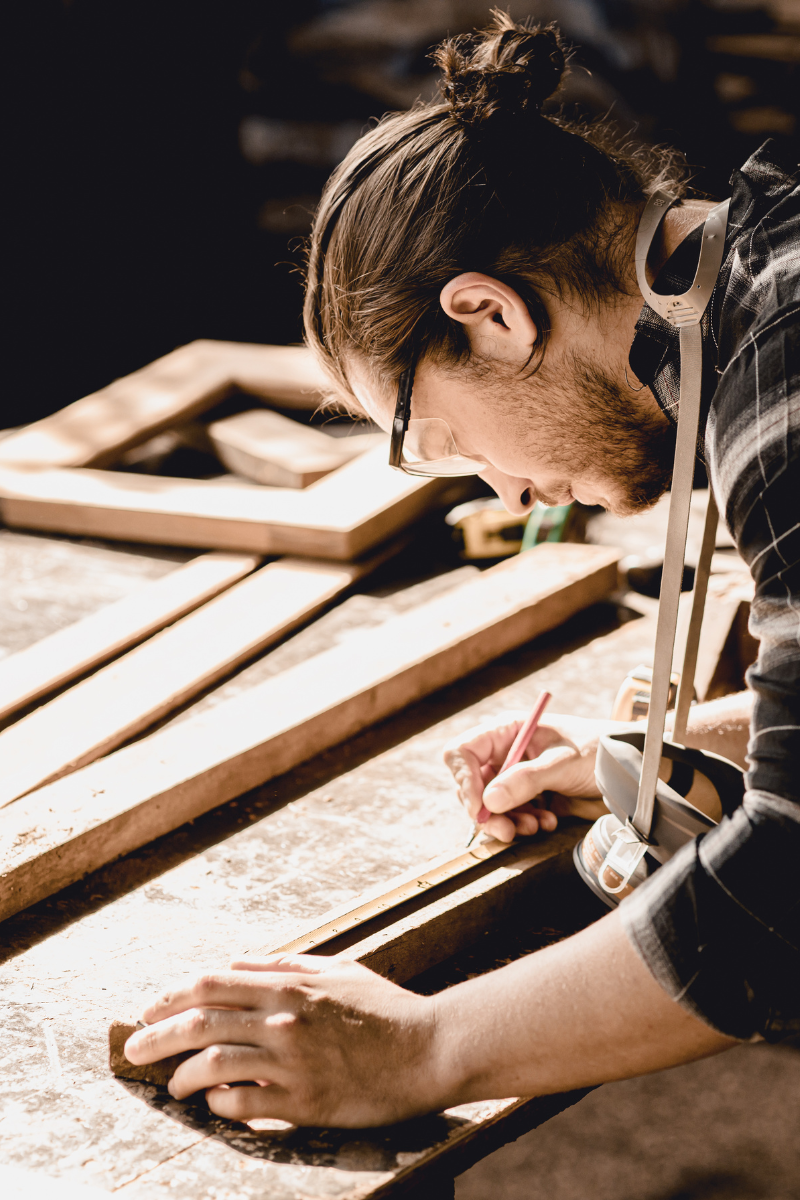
(140, 688)
(71, 827)
(49, 664)
(94, 431)
(342, 516)
(276, 451)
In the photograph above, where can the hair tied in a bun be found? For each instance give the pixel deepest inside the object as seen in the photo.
(508, 70)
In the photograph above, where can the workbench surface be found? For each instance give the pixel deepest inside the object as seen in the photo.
(234, 879)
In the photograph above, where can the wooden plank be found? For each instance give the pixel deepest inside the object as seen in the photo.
(95, 430)
(444, 922)
(448, 920)
(341, 516)
(271, 449)
(55, 660)
(61, 832)
(142, 686)
(375, 904)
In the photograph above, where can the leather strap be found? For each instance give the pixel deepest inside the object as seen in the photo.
(702, 572)
(685, 312)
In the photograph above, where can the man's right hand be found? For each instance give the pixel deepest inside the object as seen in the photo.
(555, 778)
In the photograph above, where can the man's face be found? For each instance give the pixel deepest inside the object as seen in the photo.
(566, 432)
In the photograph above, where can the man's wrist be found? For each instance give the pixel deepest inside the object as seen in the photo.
(462, 1070)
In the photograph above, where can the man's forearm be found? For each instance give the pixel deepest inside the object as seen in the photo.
(582, 1012)
(722, 726)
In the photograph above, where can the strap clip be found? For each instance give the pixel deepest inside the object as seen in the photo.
(626, 852)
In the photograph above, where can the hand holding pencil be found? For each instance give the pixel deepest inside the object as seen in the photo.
(556, 762)
(516, 753)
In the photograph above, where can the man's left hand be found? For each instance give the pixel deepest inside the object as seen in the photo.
(325, 1040)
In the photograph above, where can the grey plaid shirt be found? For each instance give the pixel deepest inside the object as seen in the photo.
(719, 925)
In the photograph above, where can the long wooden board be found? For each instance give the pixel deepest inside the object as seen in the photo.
(68, 653)
(341, 516)
(142, 686)
(61, 832)
(444, 922)
(94, 431)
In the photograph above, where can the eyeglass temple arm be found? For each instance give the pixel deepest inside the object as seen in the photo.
(401, 415)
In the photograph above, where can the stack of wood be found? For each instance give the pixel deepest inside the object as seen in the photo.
(76, 789)
(336, 497)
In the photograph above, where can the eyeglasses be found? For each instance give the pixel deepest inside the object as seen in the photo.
(429, 441)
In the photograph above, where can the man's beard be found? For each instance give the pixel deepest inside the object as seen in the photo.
(592, 429)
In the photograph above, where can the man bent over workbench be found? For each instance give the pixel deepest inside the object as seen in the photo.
(484, 253)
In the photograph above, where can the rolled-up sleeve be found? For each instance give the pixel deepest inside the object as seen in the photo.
(719, 925)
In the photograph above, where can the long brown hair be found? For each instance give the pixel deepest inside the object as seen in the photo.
(480, 180)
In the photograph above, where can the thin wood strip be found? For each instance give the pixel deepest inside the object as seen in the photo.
(342, 516)
(72, 826)
(142, 686)
(98, 428)
(449, 924)
(405, 887)
(377, 903)
(55, 660)
(395, 946)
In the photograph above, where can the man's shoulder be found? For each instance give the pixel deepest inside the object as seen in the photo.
(760, 278)
(765, 178)
(755, 410)
(754, 419)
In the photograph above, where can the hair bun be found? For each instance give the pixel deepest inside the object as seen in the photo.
(507, 69)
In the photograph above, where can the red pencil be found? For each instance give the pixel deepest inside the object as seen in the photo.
(515, 754)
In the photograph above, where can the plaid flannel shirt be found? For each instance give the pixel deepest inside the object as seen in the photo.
(719, 924)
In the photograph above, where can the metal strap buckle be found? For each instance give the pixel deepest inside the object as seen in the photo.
(624, 856)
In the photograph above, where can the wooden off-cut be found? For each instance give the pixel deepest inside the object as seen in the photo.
(274, 450)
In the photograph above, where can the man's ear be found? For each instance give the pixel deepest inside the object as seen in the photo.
(495, 317)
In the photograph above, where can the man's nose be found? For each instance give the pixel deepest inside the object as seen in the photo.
(517, 495)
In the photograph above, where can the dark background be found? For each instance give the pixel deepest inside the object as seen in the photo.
(164, 157)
